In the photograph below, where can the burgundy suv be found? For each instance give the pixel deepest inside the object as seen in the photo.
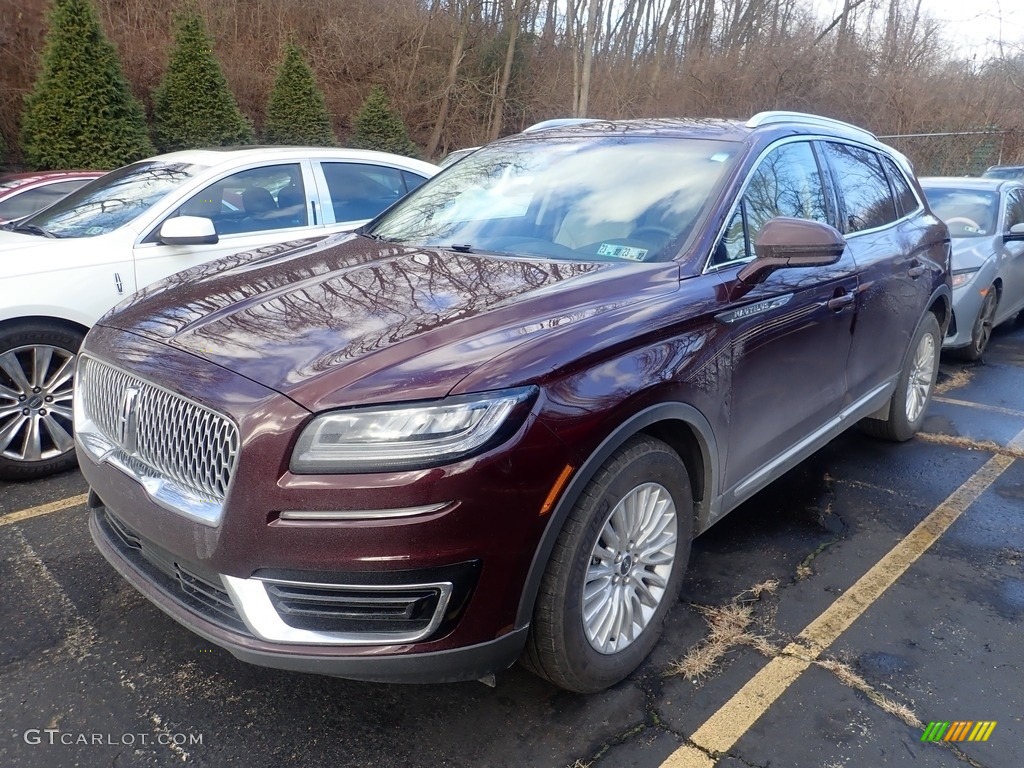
(487, 426)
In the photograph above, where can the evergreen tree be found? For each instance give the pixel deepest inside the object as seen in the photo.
(296, 112)
(81, 112)
(378, 126)
(192, 106)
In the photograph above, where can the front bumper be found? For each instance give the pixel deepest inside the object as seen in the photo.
(428, 597)
(207, 605)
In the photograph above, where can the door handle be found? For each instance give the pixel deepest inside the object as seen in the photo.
(840, 302)
(916, 269)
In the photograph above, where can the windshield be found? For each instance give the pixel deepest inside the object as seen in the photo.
(967, 212)
(607, 198)
(111, 201)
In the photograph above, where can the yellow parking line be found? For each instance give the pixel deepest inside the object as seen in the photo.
(723, 729)
(42, 509)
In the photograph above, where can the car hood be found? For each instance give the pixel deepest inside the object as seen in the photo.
(349, 321)
(973, 252)
(14, 244)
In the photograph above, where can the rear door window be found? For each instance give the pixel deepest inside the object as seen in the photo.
(360, 190)
(863, 187)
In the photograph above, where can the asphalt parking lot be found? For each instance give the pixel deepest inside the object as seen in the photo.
(871, 591)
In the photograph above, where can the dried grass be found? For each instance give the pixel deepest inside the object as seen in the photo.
(728, 628)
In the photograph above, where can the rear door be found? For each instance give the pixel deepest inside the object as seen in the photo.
(881, 219)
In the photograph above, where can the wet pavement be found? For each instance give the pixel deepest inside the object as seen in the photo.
(92, 674)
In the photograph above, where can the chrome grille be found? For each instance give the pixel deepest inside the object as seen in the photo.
(174, 438)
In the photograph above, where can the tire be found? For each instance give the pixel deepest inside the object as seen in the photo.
(588, 656)
(37, 365)
(981, 332)
(914, 386)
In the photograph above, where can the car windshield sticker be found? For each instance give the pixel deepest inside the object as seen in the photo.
(622, 252)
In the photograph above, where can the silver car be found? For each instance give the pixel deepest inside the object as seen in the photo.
(986, 223)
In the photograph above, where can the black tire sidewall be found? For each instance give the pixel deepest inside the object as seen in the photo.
(654, 462)
(974, 351)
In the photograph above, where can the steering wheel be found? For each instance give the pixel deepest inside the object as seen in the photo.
(964, 222)
(652, 232)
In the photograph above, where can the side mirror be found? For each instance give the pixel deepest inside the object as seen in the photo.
(789, 242)
(1016, 233)
(188, 230)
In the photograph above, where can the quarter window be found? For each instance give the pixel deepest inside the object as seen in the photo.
(863, 187)
(906, 200)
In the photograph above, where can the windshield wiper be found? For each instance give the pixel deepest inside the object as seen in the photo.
(32, 229)
(378, 238)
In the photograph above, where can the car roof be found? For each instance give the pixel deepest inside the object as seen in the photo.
(12, 184)
(10, 180)
(226, 156)
(775, 123)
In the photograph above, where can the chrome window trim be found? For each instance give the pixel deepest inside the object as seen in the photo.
(710, 268)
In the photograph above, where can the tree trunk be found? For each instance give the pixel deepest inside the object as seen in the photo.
(498, 113)
(449, 86)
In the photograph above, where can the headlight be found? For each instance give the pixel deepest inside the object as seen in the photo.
(963, 277)
(408, 436)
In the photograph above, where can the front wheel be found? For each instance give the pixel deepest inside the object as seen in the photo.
(914, 386)
(615, 571)
(37, 368)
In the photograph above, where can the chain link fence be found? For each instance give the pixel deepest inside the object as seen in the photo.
(963, 153)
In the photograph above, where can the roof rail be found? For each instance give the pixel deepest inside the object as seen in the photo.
(778, 116)
(559, 122)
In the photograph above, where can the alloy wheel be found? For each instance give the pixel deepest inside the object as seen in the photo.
(35, 402)
(922, 374)
(629, 569)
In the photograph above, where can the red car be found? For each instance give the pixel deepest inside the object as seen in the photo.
(22, 194)
(488, 425)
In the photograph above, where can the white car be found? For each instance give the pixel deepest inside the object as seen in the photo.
(64, 267)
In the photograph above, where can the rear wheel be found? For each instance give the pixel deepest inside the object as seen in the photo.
(37, 368)
(615, 571)
(981, 333)
(913, 387)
